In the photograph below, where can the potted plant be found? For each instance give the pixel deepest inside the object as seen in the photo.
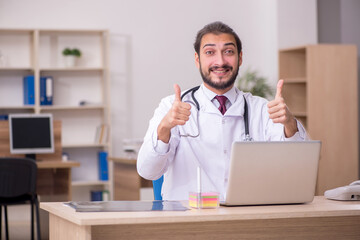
(70, 56)
(251, 82)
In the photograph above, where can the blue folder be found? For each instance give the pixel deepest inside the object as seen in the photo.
(103, 166)
(96, 196)
(46, 90)
(29, 90)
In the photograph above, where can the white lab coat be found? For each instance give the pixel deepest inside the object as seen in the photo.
(178, 160)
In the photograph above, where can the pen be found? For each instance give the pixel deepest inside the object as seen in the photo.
(199, 185)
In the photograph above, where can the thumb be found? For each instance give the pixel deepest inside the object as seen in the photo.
(177, 93)
(279, 88)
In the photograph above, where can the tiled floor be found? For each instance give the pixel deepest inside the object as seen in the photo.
(19, 223)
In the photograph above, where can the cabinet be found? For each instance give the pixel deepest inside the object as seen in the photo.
(39, 53)
(321, 89)
(127, 182)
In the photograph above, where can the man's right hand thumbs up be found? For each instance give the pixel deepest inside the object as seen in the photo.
(177, 92)
(178, 114)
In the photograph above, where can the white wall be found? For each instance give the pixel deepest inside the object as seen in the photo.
(160, 51)
(297, 22)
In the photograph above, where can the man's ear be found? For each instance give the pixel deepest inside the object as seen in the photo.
(197, 60)
(240, 58)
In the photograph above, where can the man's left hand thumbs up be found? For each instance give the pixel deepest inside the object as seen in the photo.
(279, 88)
(279, 112)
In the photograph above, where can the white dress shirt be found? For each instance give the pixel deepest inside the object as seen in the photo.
(178, 160)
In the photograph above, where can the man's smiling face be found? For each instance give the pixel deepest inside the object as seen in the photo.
(218, 61)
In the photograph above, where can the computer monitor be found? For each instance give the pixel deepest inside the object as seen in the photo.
(31, 134)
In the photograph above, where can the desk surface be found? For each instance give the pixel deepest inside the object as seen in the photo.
(57, 164)
(320, 207)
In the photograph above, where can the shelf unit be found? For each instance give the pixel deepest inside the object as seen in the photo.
(321, 90)
(38, 52)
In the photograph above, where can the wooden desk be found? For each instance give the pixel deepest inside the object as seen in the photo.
(127, 182)
(54, 175)
(54, 178)
(321, 219)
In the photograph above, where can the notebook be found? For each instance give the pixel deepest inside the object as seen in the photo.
(272, 173)
(126, 206)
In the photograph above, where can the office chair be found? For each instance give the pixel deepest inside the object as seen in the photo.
(18, 186)
(157, 184)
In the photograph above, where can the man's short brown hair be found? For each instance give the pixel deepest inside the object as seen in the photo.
(216, 28)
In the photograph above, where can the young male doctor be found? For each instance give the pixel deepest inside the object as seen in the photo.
(199, 129)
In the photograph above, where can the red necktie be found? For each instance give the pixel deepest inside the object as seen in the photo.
(222, 101)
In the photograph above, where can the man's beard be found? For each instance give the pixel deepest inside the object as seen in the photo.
(220, 85)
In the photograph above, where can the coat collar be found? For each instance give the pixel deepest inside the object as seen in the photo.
(235, 96)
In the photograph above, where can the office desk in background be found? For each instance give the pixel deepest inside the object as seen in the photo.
(321, 219)
(54, 175)
(127, 182)
(54, 179)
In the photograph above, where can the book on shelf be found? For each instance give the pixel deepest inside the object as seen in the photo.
(103, 166)
(102, 134)
(29, 90)
(4, 117)
(46, 90)
(100, 195)
(96, 195)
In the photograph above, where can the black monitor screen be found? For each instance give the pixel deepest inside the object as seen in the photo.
(31, 134)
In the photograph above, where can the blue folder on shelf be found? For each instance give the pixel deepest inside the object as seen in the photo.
(46, 90)
(103, 166)
(96, 195)
(4, 117)
(29, 90)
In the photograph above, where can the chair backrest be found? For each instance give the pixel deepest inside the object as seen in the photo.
(157, 185)
(17, 177)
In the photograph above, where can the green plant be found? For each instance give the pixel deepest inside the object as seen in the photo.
(251, 82)
(71, 52)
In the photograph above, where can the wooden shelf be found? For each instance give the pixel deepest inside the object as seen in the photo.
(89, 183)
(299, 114)
(293, 49)
(9, 69)
(319, 81)
(295, 80)
(295, 97)
(9, 31)
(70, 108)
(72, 31)
(57, 164)
(72, 69)
(292, 63)
(38, 52)
(17, 107)
(85, 145)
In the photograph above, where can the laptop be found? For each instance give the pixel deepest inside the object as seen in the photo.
(264, 173)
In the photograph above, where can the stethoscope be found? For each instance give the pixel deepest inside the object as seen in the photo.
(246, 117)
